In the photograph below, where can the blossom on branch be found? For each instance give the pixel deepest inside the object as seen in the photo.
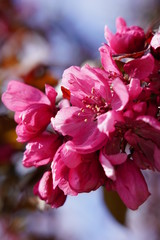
(104, 131)
(127, 39)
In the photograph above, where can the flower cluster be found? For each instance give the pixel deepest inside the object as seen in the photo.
(104, 131)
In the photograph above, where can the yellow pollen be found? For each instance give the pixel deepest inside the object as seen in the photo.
(85, 120)
(79, 114)
(82, 110)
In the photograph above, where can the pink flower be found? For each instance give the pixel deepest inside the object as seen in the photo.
(41, 149)
(130, 185)
(44, 189)
(75, 173)
(127, 39)
(106, 129)
(33, 109)
(94, 107)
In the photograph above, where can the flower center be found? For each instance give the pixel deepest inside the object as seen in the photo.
(93, 104)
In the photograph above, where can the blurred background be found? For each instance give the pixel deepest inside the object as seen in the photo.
(38, 40)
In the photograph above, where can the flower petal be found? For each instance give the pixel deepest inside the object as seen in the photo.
(41, 149)
(86, 176)
(33, 121)
(69, 155)
(130, 185)
(60, 174)
(44, 189)
(121, 95)
(141, 67)
(19, 96)
(51, 94)
(107, 62)
(107, 166)
(81, 127)
(106, 121)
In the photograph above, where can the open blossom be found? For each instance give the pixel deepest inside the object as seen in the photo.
(33, 109)
(44, 189)
(93, 107)
(76, 173)
(127, 39)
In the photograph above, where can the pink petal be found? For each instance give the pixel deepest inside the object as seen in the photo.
(69, 155)
(85, 177)
(107, 166)
(84, 131)
(65, 119)
(60, 173)
(134, 88)
(142, 162)
(64, 103)
(140, 68)
(81, 82)
(41, 149)
(19, 96)
(34, 120)
(44, 189)
(75, 79)
(151, 121)
(155, 42)
(117, 159)
(140, 107)
(120, 24)
(106, 121)
(121, 96)
(51, 94)
(107, 61)
(108, 34)
(130, 185)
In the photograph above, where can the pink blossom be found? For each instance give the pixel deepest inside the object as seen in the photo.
(127, 39)
(33, 109)
(75, 173)
(106, 129)
(44, 189)
(93, 106)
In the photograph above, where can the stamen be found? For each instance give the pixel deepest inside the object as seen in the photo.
(92, 90)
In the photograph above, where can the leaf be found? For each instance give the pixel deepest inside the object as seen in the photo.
(115, 205)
